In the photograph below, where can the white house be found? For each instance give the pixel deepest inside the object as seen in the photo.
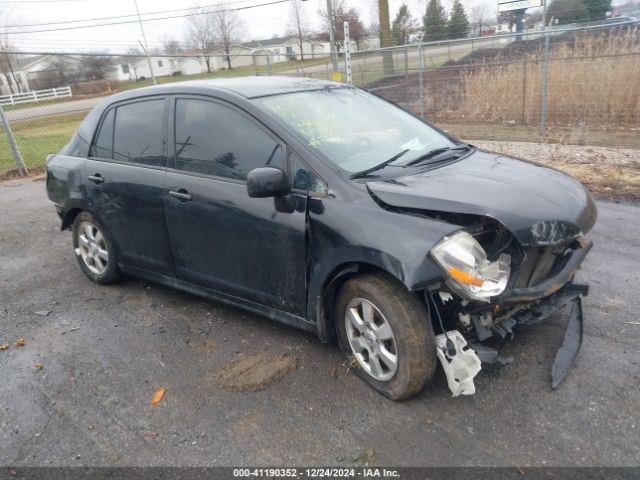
(241, 56)
(15, 82)
(136, 68)
(370, 42)
(32, 73)
(283, 49)
(505, 28)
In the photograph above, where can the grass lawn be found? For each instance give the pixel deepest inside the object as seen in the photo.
(37, 138)
(235, 72)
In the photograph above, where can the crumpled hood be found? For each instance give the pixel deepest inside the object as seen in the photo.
(539, 205)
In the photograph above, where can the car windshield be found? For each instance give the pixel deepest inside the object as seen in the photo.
(354, 129)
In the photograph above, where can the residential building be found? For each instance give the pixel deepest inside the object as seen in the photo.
(283, 49)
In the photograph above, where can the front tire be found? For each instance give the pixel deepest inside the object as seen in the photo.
(94, 250)
(386, 333)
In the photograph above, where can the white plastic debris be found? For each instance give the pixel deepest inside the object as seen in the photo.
(464, 318)
(460, 368)
(445, 297)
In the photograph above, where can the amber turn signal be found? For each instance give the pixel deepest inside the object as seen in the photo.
(464, 277)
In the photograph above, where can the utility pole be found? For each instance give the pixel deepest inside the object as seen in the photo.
(385, 35)
(545, 74)
(332, 37)
(145, 47)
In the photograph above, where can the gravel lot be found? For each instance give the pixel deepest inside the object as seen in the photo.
(104, 351)
(608, 172)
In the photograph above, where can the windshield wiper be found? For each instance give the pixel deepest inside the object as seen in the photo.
(366, 172)
(437, 151)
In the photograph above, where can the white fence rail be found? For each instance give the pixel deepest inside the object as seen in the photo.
(35, 96)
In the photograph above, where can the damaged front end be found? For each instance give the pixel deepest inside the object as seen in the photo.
(492, 287)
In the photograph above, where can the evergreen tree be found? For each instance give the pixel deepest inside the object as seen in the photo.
(568, 11)
(458, 25)
(435, 21)
(402, 26)
(597, 8)
(573, 11)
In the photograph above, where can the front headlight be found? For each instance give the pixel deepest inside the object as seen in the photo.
(470, 273)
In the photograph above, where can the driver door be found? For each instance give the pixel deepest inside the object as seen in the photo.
(220, 237)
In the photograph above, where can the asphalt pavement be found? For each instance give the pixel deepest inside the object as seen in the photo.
(60, 108)
(79, 391)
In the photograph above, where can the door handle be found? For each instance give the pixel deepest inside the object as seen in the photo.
(97, 178)
(181, 195)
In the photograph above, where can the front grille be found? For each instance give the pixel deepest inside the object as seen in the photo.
(538, 264)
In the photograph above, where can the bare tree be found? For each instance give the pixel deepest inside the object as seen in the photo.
(62, 69)
(342, 14)
(298, 24)
(480, 17)
(200, 34)
(170, 45)
(227, 27)
(96, 67)
(8, 64)
(211, 28)
(132, 62)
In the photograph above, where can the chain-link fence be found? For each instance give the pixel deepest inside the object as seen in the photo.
(582, 87)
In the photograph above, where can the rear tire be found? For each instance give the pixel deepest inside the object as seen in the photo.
(386, 334)
(94, 250)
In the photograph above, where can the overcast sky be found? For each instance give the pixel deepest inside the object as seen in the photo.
(261, 22)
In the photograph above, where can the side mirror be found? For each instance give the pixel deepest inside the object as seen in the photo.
(266, 182)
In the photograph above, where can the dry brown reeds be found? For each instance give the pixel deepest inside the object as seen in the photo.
(593, 80)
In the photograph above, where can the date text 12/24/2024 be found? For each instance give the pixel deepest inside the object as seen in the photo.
(315, 472)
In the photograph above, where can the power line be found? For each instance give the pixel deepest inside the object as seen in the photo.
(39, 1)
(147, 19)
(118, 16)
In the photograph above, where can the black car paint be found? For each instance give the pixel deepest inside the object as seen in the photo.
(540, 206)
(283, 261)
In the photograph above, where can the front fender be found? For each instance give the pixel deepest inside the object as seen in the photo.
(345, 235)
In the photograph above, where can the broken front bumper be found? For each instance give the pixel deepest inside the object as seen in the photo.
(514, 309)
(570, 295)
(460, 368)
(551, 285)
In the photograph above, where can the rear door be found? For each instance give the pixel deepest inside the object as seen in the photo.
(124, 181)
(253, 248)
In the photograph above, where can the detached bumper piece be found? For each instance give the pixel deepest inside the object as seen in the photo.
(570, 346)
(460, 365)
(570, 295)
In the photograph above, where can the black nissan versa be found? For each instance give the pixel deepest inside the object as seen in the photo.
(325, 207)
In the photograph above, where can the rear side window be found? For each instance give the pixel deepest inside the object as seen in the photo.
(138, 133)
(103, 147)
(213, 139)
(133, 133)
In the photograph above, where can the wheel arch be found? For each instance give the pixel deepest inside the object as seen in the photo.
(72, 213)
(325, 298)
(70, 217)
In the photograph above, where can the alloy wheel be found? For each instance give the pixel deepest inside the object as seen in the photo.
(371, 339)
(92, 248)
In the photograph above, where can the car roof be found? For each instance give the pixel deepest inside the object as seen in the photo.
(248, 87)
